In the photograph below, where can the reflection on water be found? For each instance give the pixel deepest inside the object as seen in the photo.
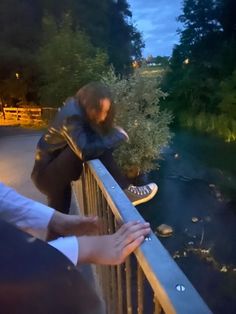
(198, 179)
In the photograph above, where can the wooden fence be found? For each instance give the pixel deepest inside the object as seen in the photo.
(29, 115)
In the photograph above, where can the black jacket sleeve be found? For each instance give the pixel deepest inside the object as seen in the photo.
(88, 145)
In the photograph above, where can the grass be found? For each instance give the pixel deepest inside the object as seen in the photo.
(220, 125)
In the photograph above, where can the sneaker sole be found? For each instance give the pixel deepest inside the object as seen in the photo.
(146, 199)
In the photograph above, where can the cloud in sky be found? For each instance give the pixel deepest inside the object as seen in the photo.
(156, 20)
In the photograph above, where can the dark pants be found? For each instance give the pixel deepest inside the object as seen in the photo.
(36, 278)
(54, 178)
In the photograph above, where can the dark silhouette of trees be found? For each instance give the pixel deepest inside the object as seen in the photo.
(106, 23)
(203, 65)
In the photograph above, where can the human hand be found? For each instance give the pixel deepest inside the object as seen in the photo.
(122, 131)
(115, 138)
(113, 249)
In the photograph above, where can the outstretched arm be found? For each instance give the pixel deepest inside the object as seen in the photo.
(23, 212)
(106, 249)
(34, 217)
(67, 225)
(88, 147)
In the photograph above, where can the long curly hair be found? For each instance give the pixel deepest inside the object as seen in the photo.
(89, 97)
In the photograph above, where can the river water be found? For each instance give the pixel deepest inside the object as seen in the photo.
(197, 178)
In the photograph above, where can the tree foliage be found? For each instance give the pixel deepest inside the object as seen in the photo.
(201, 75)
(67, 60)
(138, 112)
(106, 23)
(19, 37)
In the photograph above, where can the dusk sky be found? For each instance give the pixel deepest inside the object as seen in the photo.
(156, 20)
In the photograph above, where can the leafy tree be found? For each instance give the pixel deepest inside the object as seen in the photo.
(137, 101)
(199, 19)
(227, 17)
(19, 36)
(67, 61)
(201, 77)
(198, 63)
(124, 40)
(108, 26)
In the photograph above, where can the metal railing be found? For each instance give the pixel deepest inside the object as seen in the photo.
(149, 281)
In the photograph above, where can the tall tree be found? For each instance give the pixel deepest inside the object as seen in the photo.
(107, 23)
(125, 41)
(201, 79)
(67, 60)
(227, 17)
(201, 27)
(20, 32)
(109, 27)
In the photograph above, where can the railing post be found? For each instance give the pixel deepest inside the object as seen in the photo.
(140, 289)
(128, 286)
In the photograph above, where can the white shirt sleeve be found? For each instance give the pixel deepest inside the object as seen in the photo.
(68, 246)
(23, 212)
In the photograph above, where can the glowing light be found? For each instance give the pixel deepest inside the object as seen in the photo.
(136, 64)
(186, 61)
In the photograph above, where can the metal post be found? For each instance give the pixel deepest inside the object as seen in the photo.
(128, 286)
(140, 290)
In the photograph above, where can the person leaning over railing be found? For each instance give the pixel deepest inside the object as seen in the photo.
(82, 130)
(75, 243)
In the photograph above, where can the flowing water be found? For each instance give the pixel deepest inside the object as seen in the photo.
(197, 178)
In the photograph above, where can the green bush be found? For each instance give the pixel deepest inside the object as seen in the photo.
(138, 112)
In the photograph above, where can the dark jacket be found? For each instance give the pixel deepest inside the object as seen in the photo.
(70, 127)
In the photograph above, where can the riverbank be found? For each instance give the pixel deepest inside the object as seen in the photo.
(221, 125)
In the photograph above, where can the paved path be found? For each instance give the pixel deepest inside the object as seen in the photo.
(17, 149)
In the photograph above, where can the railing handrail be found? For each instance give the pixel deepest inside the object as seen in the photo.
(173, 289)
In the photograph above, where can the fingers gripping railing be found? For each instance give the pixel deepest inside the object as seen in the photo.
(148, 283)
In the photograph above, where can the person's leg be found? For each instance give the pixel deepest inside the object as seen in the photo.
(60, 200)
(136, 194)
(110, 164)
(54, 179)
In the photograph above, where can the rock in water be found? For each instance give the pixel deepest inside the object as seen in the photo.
(195, 219)
(165, 230)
